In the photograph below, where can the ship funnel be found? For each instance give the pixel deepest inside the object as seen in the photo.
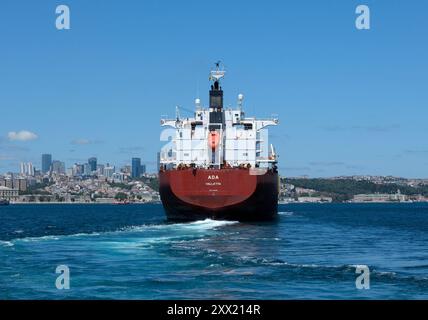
(216, 93)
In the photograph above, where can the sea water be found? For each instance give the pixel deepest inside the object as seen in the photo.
(132, 252)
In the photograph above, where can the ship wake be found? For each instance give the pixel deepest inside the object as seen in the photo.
(188, 228)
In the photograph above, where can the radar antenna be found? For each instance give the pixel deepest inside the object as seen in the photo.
(217, 74)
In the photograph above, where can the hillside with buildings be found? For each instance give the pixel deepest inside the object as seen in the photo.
(92, 182)
(353, 189)
(88, 182)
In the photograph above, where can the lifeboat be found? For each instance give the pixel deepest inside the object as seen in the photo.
(213, 139)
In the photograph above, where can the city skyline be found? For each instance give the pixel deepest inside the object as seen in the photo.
(48, 165)
(349, 101)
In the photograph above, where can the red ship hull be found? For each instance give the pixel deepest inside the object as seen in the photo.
(231, 194)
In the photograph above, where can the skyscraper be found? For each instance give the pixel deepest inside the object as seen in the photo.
(93, 163)
(87, 170)
(142, 169)
(100, 169)
(30, 169)
(136, 168)
(23, 170)
(27, 169)
(109, 171)
(58, 167)
(78, 169)
(46, 162)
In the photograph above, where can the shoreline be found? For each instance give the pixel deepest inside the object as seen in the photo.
(156, 202)
(356, 202)
(89, 203)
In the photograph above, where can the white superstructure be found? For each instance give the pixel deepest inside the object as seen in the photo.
(217, 137)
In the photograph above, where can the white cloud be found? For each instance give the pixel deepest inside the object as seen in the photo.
(22, 135)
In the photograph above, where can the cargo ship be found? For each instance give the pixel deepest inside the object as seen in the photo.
(218, 163)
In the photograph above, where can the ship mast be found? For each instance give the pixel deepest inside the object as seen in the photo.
(216, 97)
(216, 117)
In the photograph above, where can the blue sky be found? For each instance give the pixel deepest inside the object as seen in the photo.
(350, 101)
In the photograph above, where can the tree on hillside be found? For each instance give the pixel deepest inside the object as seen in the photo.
(121, 196)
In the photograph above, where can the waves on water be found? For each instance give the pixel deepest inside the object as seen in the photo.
(202, 225)
(197, 226)
(6, 243)
(335, 269)
(286, 213)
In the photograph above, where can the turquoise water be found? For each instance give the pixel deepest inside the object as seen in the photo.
(132, 252)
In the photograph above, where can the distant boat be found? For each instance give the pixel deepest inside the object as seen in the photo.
(4, 202)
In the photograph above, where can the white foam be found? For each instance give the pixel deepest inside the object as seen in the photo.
(197, 225)
(56, 237)
(92, 234)
(286, 213)
(31, 239)
(6, 243)
(201, 225)
(208, 224)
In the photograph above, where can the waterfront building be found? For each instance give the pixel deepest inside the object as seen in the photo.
(8, 193)
(46, 162)
(9, 182)
(105, 200)
(314, 199)
(380, 197)
(19, 184)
